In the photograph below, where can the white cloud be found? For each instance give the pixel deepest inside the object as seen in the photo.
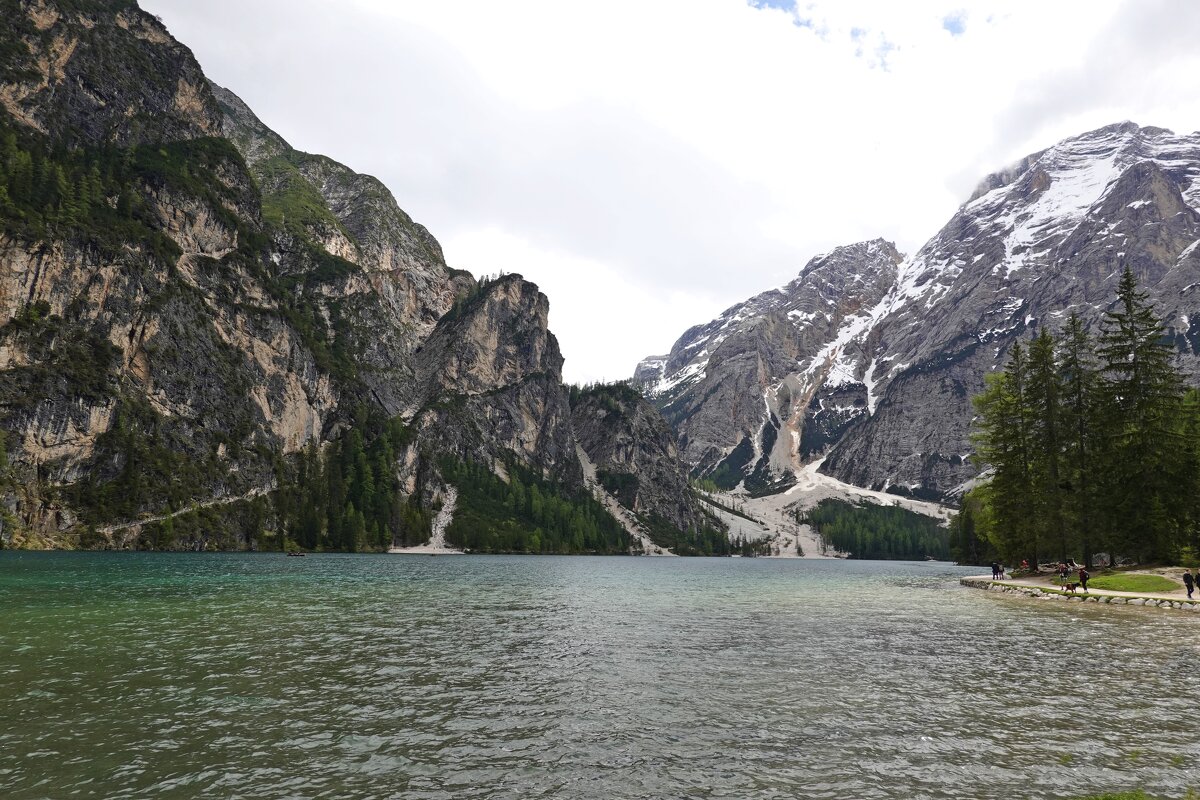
(649, 163)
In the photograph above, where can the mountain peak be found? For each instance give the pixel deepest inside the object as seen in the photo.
(1124, 142)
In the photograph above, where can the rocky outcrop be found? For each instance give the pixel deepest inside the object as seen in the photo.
(490, 383)
(88, 74)
(402, 285)
(635, 455)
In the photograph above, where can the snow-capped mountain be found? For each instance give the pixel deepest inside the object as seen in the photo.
(888, 384)
(747, 383)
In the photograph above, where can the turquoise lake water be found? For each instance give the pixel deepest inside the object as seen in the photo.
(340, 676)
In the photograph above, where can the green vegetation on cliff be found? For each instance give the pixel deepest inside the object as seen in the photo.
(694, 541)
(289, 200)
(346, 496)
(526, 514)
(64, 361)
(143, 462)
(615, 398)
(6, 485)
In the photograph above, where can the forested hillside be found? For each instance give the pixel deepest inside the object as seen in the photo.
(867, 530)
(527, 514)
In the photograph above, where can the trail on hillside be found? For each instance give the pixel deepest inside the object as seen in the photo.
(216, 501)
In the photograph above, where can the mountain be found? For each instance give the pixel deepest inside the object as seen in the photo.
(1045, 238)
(774, 378)
(211, 339)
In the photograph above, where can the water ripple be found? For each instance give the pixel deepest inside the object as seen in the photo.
(240, 676)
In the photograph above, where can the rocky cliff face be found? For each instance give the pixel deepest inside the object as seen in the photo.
(778, 376)
(1045, 238)
(100, 73)
(490, 383)
(186, 302)
(635, 455)
(1037, 242)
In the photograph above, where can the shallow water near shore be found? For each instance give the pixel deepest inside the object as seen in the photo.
(260, 676)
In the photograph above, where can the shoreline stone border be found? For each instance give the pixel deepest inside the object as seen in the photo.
(1041, 593)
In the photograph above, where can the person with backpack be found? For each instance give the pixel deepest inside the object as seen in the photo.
(1189, 583)
(1083, 577)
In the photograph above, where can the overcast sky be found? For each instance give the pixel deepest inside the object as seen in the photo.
(649, 163)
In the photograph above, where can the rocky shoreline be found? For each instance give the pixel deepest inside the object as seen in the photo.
(1094, 596)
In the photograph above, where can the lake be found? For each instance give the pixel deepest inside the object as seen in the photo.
(341, 676)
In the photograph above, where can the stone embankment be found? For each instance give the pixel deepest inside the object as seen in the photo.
(1092, 596)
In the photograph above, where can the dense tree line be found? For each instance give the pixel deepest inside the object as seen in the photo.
(526, 514)
(346, 496)
(1094, 445)
(613, 397)
(749, 548)
(871, 531)
(695, 540)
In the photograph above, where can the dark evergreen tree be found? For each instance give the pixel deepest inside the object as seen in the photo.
(1142, 445)
(1043, 399)
(969, 529)
(1085, 448)
(1004, 442)
(1079, 381)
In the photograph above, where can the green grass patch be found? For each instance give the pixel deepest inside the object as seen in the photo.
(1121, 582)
(290, 201)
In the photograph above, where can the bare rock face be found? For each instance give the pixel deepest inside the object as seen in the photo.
(635, 455)
(490, 382)
(777, 376)
(91, 76)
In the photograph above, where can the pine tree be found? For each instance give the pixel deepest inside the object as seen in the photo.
(1043, 398)
(1143, 454)
(1004, 443)
(1077, 365)
(1190, 478)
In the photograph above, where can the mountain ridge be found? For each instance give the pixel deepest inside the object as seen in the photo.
(1047, 235)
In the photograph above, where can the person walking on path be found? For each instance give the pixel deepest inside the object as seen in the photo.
(1189, 583)
(1083, 577)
